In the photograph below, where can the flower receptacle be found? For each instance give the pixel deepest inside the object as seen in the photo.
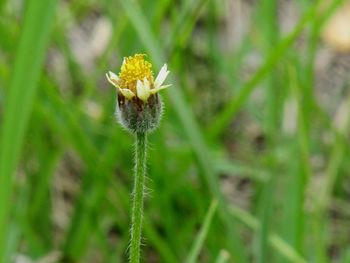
(137, 116)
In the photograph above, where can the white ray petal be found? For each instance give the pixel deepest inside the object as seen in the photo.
(163, 73)
(127, 93)
(142, 92)
(155, 90)
(146, 84)
(113, 79)
(113, 76)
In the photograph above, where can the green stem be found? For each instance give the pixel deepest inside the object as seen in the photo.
(138, 192)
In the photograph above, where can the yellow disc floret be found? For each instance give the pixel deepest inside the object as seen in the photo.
(135, 68)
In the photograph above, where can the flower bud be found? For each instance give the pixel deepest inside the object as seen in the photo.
(139, 106)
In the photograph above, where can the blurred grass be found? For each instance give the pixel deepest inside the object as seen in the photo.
(73, 160)
(20, 96)
(197, 245)
(273, 57)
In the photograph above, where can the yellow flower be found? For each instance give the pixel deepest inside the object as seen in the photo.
(136, 80)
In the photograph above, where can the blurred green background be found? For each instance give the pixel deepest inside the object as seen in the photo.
(251, 162)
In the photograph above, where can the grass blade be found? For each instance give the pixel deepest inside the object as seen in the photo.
(276, 241)
(195, 250)
(20, 97)
(223, 257)
(235, 104)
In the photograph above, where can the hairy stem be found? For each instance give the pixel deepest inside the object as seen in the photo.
(138, 192)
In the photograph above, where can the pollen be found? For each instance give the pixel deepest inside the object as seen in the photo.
(135, 68)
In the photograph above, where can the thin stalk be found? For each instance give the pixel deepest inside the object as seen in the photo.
(190, 126)
(138, 192)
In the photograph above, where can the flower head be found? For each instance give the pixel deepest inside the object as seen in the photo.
(139, 106)
(136, 81)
